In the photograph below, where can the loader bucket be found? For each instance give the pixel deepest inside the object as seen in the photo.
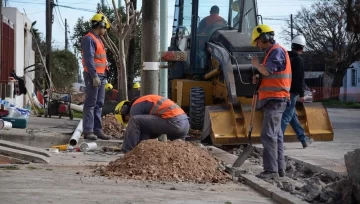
(226, 126)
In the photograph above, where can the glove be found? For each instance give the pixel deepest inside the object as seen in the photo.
(96, 82)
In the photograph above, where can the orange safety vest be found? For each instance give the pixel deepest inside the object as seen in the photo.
(211, 21)
(278, 84)
(163, 107)
(100, 55)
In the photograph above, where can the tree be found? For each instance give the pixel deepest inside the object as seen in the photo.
(64, 66)
(324, 27)
(112, 42)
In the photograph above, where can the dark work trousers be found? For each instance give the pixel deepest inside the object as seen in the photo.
(272, 137)
(144, 127)
(94, 101)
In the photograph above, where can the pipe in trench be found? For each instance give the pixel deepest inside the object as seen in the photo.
(76, 107)
(76, 135)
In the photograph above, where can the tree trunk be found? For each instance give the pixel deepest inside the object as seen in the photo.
(131, 57)
(122, 79)
(337, 83)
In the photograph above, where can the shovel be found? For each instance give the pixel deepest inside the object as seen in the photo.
(249, 148)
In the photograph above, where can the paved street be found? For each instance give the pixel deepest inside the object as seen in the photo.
(330, 155)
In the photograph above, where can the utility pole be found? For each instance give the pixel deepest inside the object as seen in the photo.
(2, 86)
(291, 26)
(150, 47)
(66, 35)
(49, 22)
(163, 46)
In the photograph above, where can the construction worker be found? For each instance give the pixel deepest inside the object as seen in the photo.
(211, 22)
(136, 90)
(111, 94)
(275, 83)
(94, 63)
(297, 90)
(150, 116)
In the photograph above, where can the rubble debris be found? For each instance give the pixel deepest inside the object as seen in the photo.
(112, 127)
(353, 168)
(77, 98)
(167, 161)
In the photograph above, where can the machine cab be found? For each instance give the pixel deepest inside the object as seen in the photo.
(195, 21)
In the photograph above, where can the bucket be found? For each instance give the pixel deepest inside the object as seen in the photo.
(84, 147)
(5, 125)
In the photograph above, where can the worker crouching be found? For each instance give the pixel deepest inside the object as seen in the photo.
(273, 98)
(150, 116)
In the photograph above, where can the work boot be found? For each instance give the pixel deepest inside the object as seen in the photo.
(268, 175)
(102, 136)
(281, 173)
(90, 136)
(307, 143)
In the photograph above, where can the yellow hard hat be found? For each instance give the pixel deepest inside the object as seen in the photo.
(258, 30)
(235, 6)
(136, 85)
(108, 87)
(101, 17)
(118, 115)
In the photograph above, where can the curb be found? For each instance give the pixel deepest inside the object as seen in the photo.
(259, 185)
(332, 174)
(46, 140)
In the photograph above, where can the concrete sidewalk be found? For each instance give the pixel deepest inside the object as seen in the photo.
(330, 155)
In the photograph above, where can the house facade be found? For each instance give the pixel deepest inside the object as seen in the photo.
(350, 91)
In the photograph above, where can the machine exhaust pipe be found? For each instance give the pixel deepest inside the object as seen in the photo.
(5, 125)
(76, 135)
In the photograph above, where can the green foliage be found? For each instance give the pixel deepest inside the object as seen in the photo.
(64, 69)
(82, 27)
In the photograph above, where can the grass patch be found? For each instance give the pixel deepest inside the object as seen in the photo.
(340, 104)
(31, 168)
(78, 114)
(13, 167)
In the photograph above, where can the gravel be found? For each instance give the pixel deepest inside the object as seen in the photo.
(112, 127)
(177, 161)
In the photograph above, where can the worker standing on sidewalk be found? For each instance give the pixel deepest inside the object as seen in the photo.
(150, 116)
(94, 63)
(273, 95)
(297, 90)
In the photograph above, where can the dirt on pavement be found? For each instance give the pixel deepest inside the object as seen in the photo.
(167, 161)
(112, 127)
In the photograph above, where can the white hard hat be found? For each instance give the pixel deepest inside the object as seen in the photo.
(299, 39)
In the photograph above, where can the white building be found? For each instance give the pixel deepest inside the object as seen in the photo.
(350, 91)
(24, 55)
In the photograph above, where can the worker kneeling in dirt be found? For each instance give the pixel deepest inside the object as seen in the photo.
(273, 98)
(150, 116)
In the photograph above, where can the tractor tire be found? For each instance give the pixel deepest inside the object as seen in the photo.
(197, 108)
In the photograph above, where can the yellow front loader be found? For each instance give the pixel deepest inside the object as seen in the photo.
(213, 84)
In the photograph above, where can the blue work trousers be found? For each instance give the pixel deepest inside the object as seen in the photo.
(94, 101)
(272, 137)
(291, 117)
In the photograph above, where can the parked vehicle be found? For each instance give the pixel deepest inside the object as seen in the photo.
(308, 94)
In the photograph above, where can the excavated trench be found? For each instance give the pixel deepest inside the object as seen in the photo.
(304, 183)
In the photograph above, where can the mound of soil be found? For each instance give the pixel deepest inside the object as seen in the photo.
(167, 161)
(112, 127)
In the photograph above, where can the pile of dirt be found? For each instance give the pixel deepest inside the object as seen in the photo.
(77, 98)
(112, 127)
(167, 161)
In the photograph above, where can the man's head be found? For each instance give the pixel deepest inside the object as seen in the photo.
(298, 44)
(108, 87)
(99, 24)
(263, 36)
(125, 111)
(214, 10)
(137, 85)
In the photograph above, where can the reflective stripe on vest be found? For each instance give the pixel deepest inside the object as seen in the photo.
(163, 107)
(278, 84)
(99, 57)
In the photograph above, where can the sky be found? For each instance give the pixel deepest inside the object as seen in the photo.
(274, 13)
